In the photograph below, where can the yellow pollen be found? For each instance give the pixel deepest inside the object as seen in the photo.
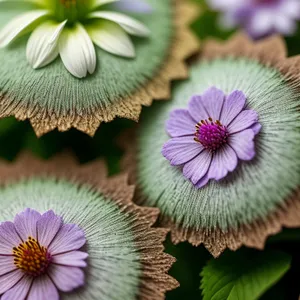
(32, 258)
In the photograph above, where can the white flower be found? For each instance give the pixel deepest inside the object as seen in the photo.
(69, 28)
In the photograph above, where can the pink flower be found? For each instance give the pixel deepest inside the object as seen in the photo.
(211, 135)
(260, 17)
(39, 256)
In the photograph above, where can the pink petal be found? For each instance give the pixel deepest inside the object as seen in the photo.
(73, 258)
(47, 227)
(6, 264)
(181, 150)
(8, 280)
(20, 290)
(243, 121)
(180, 123)
(66, 278)
(9, 238)
(243, 144)
(70, 237)
(43, 288)
(208, 105)
(197, 167)
(25, 223)
(233, 105)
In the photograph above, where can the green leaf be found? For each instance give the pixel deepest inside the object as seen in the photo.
(243, 275)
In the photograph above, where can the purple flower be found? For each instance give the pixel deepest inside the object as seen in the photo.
(136, 6)
(260, 17)
(211, 135)
(39, 256)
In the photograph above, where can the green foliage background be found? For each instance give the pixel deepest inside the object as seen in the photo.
(284, 278)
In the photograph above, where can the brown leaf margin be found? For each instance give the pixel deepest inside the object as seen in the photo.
(270, 52)
(184, 45)
(155, 281)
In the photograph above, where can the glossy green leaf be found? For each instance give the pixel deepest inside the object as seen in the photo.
(244, 275)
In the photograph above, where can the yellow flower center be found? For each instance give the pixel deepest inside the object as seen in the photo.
(32, 258)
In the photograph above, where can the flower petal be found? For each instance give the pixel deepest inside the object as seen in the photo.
(25, 223)
(224, 160)
(181, 150)
(243, 121)
(43, 288)
(233, 105)
(261, 23)
(42, 45)
(285, 25)
(208, 105)
(8, 280)
(129, 24)
(6, 264)
(47, 227)
(243, 144)
(197, 167)
(69, 238)
(77, 51)
(111, 37)
(20, 290)
(66, 278)
(97, 3)
(180, 123)
(134, 6)
(197, 109)
(20, 25)
(256, 128)
(9, 238)
(73, 258)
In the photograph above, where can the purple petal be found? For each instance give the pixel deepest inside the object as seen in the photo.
(209, 105)
(136, 6)
(25, 223)
(243, 121)
(70, 237)
(20, 290)
(197, 168)
(181, 150)
(6, 264)
(66, 278)
(243, 144)
(233, 105)
(256, 128)
(47, 227)
(43, 288)
(291, 8)
(180, 123)
(9, 280)
(74, 258)
(225, 160)
(9, 238)
(197, 109)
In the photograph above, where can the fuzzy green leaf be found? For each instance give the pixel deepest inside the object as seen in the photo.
(246, 274)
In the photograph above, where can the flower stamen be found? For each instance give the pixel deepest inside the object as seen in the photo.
(31, 257)
(212, 135)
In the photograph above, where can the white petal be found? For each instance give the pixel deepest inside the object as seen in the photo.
(97, 3)
(130, 25)
(77, 51)
(42, 47)
(20, 25)
(111, 37)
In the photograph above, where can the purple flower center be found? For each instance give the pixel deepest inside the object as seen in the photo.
(32, 258)
(212, 135)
